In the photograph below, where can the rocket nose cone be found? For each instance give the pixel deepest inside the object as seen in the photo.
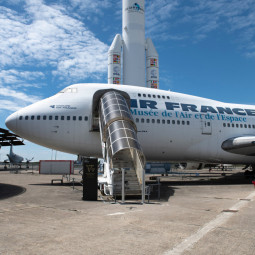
(11, 122)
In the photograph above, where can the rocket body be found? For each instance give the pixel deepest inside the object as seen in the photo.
(114, 61)
(152, 73)
(132, 60)
(133, 36)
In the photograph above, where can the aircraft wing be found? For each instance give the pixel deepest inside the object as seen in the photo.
(7, 138)
(244, 145)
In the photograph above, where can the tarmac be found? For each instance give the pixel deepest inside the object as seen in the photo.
(203, 213)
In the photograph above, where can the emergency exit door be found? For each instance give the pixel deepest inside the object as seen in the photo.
(206, 127)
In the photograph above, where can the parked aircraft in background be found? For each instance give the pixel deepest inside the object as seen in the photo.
(9, 139)
(14, 158)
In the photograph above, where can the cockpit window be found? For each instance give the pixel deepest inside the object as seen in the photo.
(69, 90)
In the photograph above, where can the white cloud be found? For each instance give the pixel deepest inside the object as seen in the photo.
(229, 16)
(90, 6)
(13, 84)
(19, 78)
(46, 36)
(9, 105)
(13, 100)
(8, 92)
(158, 14)
(195, 20)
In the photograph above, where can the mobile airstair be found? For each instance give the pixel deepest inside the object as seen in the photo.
(121, 149)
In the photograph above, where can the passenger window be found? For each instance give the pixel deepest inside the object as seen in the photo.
(183, 122)
(173, 121)
(168, 97)
(139, 94)
(163, 97)
(163, 122)
(253, 126)
(56, 117)
(158, 121)
(32, 117)
(149, 95)
(233, 125)
(178, 122)
(168, 121)
(245, 125)
(249, 126)
(62, 117)
(188, 123)
(228, 124)
(153, 121)
(26, 118)
(74, 117)
(237, 125)
(38, 117)
(20, 117)
(68, 118)
(86, 118)
(158, 96)
(241, 125)
(148, 120)
(142, 120)
(154, 96)
(144, 95)
(224, 124)
(137, 120)
(50, 117)
(208, 124)
(44, 117)
(80, 118)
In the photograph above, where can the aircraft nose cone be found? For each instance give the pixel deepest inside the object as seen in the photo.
(11, 122)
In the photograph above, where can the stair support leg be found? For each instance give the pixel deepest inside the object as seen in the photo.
(123, 186)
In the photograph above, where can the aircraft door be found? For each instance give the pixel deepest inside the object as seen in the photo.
(206, 126)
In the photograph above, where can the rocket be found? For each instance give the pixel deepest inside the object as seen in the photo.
(132, 60)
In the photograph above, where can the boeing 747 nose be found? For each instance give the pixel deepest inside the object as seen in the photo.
(11, 122)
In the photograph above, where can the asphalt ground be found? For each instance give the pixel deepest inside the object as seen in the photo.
(203, 213)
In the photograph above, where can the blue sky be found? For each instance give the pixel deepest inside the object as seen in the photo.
(206, 48)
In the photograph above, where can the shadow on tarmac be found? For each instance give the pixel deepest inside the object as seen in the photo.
(7, 191)
(233, 179)
(69, 184)
(169, 183)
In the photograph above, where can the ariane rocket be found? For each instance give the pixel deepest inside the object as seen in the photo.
(132, 60)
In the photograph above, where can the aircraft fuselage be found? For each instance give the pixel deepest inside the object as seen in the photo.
(170, 126)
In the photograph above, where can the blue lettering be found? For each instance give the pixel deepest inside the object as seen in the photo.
(148, 103)
(171, 106)
(133, 112)
(167, 114)
(239, 111)
(224, 110)
(133, 103)
(208, 109)
(250, 112)
(189, 107)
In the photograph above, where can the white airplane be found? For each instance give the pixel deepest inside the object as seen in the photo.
(9, 139)
(170, 126)
(14, 158)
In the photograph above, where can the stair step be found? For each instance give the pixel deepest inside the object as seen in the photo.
(132, 186)
(129, 193)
